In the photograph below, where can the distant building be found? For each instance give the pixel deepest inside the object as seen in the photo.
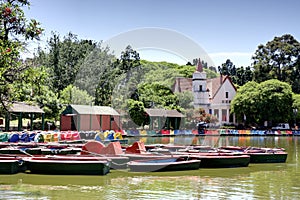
(214, 95)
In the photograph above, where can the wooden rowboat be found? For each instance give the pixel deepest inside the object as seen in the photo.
(218, 160)
(259, 155)
(70, 166)
(164, 164)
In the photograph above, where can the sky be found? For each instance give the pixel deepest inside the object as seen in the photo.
(224, 29)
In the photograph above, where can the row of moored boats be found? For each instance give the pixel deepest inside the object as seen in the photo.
(95, 158)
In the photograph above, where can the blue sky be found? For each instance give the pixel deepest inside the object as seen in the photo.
(223, 28)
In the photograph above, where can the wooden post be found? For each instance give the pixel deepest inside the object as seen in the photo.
(7, 120)
(159, 123)
(91, 121)
(20, 123)
(111, 119)
(151, 123)
(43, 121)
(101, 123)
(78, 122)
(31, 121)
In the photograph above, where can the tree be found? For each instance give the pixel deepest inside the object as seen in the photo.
(243, 104)
(73, 95)
(238, 75)
(243, 75)
(137, 112)
(278, 59)
(31, 87)
(156, 95)
(15, 30)
(65, 59)
(296, 105)
(227, 68)
(116, 75)
(185, 99)
(268, 101)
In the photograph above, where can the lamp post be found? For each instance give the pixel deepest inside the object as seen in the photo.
(295, 111)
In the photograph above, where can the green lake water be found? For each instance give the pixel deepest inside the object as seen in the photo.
(258, 181)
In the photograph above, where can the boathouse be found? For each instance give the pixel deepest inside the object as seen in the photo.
(164, 119)
(86, 118)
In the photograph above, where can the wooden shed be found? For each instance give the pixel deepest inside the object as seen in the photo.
(164, 119)
(86, 118)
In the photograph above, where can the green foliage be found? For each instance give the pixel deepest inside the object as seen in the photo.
(296, 105)
(65, 59)
(73, 95)
(98, 68)
(157, 95)
(14, 27)
(268, 101)
(278, 59)
(185, 71)
(32, 87)
(137, 112)
(244, 103)
(185, 99)
(117, 74)
(163, 76)
(239, 76)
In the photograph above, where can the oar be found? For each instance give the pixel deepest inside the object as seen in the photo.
(26, 153)
(22, 151)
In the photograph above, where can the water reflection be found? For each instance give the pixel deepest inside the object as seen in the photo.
(258, 181)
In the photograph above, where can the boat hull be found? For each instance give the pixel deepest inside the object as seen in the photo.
(9, 166)
(160, 165)
(224, 161)
(268, 157)
(67, 167)
(260, 155)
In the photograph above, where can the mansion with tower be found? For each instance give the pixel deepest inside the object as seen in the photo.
(213, 95)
